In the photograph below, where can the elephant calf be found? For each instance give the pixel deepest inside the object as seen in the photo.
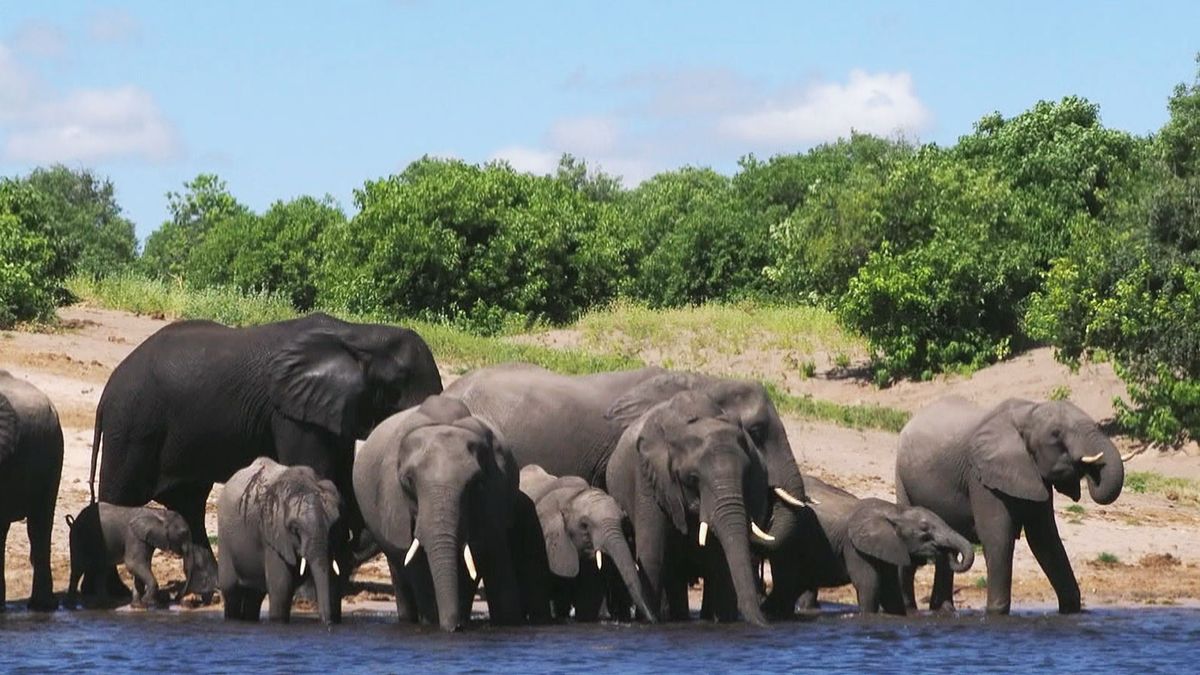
(273, 521)
(105, 534)
(865, 542)
(581, 525)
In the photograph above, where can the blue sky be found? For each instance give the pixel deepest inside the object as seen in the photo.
(289, 98)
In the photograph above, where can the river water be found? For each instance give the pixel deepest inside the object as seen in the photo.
(1148, 640)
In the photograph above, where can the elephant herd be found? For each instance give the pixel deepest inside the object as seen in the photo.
(583, 496)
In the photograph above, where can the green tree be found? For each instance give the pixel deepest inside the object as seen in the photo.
(85, 218)
(204, 203)
(1179, 139)
(31, 268)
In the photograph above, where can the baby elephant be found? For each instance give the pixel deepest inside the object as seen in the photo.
(274, 522)
(104, 534)
(866, 541)
(582, 525)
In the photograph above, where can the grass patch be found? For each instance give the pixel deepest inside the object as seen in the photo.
(980, 582)
(464, 351)
(1076, 509)
(1060, 393)
(1181, 490)
(1106, 558)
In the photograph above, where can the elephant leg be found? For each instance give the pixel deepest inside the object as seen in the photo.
(941, 598)
(719, 599)
(499, 580)
(809, 601)
(890, 597)
(3, 548)
(137, 561)
(650, 534)
(786, 584)
(189, 502)
(998, 534)
(1041, 532)
(867, 582)
(406, 604)
(589, 594)
(280, 588)
(908, 576)
(39, 525)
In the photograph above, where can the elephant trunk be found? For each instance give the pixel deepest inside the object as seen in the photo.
(437, 528)
(785, 517)
(962, 552)
(731, 527)
(1105, 477)
(323, 581)
(617, 548)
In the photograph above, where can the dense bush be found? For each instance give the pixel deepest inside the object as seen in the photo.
(83, 216)
(31, 266)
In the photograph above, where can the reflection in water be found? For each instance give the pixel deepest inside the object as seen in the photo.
(1119, 639)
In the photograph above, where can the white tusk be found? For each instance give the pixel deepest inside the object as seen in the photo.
(783, 494)
(335, 569)
(703, 533)
(599, 560)
(813, 502)
(759, 533)
(1126, 458)
(470, 563)
(1092, 459)
(302, 567)
(412, 550)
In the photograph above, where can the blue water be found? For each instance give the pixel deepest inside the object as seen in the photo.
(1148, 640)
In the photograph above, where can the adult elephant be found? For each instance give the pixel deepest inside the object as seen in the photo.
(686, 467)
(864, 541)
(989, 472)
(197, 401)
(31, 459)
(439, 493)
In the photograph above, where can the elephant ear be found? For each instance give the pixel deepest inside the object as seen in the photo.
(316, 378)
(638, 400)
(560, 552)
(331, 499)
(10, 431)
(1002, 461)
(654, 450)
(149, 527)
(872, 533)
(277, 533)
(397, 523)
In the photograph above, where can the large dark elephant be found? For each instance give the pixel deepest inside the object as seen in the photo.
(570, 424)
(197, 401)
(989, 472)
(865, 541)
(686, 467)
(31, 459)
(439, 493)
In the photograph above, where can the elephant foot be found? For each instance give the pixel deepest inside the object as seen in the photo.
(43, 603)
(946, 607)
(193, 600)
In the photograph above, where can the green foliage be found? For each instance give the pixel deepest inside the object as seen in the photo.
(1060, 393)
(1179, 140)
(171, 250)
(1106, 558)
(1076, 509)
(31, 266)
(84, 217)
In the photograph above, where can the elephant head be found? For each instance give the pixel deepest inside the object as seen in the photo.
(300, 515)
(901, 536)
(705, 470)
(346, 377)
(448, 485)
(584, 524)
(167, 531)
(1023, 447)
(751, 405)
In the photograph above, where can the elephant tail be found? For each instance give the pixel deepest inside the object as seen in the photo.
(95, 453)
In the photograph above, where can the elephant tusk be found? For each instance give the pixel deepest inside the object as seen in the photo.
(813, 502)
(703, 533)
(1126, 458)
(335, 569)
(302, 564)
(1092, 459)
(599, 560)
(470, 563)
(759, 533)
(412, 550)
(785, 496)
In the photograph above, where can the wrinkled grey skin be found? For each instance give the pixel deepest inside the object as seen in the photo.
(570, 425)
(686, 461)
(865, 541)
(128, 534)
(31, 457)
(197, 401)
(989, 473)
(270, 518)
(443, 477)
(577, 522)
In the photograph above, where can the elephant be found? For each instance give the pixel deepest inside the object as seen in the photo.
(104, 534)
(439, 493)
(31, 460)
(684, 467)
(989, 472)
(581, 525)
(866, 541)
(273, 522)
(198, 401)
(529, 406)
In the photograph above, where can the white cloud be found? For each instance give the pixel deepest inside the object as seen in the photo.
(40, 39)
(882, 104)
(115, 26)
(584, 135)
(41, 125)
(529, 160)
